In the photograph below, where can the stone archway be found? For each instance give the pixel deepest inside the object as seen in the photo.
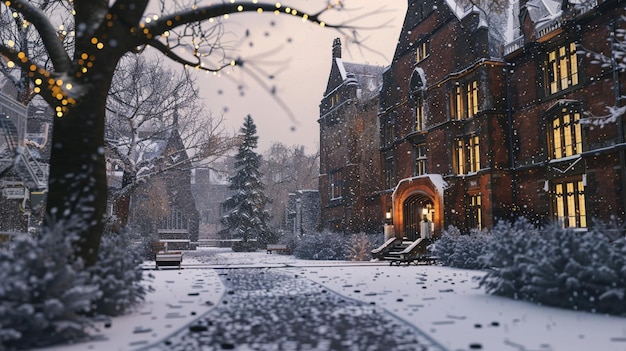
(411, 197)
(414, 209)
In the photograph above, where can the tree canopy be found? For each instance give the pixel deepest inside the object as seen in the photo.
(78, 45)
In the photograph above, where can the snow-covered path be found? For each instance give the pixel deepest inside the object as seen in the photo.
(442, 302)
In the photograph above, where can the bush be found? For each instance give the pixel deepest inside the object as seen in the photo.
(44, 292)
(359, 246)
(118, 275)
(321, 246)
(559, 267)
(244, 246)
(461, 251)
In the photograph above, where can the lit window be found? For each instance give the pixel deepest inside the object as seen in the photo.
(460, 157)
(467, 153)
(419, 114)
(569, 204)
(472, 99)
(336, 185)
(464, 101)
(566, 135)
(475, 218)
(422, 51)
(561, 68)
(474, 153)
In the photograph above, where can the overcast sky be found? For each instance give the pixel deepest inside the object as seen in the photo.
(298, 55)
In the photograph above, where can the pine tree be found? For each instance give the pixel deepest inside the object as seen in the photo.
(246, 216)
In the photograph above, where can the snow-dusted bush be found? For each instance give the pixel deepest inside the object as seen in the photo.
(321, 246)
(44, 290)
(359, 246)
(559, 267)
(118, 275)
(244, 246)
(461, 251)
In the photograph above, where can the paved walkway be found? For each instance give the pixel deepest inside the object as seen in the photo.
(270, 309)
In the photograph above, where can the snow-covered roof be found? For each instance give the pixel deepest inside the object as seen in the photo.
(369, 78)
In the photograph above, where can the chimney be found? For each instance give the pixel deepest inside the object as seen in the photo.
(336, 48)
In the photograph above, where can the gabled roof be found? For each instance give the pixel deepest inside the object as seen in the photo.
(368, 78)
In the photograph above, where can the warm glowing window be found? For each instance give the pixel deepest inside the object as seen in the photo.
(336, 185)
(472, 99)
(422, 51)
(565, 135)
(467, 155)
(460, 156)
(569, 204)
(419, 114)
(475, 217)
(464, 101)
(561, 68)
(420, 159)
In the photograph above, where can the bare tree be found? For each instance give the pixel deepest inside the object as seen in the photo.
(286, 170)
(147, 102)
(77, 74)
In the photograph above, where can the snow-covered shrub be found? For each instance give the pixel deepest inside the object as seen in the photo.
(244, 246)
(44, 290)
(118, 275)
(360, 245)
(559, 267)
(321, 246)
(461, 251)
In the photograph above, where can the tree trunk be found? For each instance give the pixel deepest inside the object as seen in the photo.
(77, 189)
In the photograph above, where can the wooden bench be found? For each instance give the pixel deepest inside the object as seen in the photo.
(277, 248)
(168, 258)
(163, 257)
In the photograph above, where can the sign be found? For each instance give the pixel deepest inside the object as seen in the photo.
(14, 193)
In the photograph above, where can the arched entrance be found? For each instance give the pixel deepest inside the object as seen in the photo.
(414, 209)
(414, 197)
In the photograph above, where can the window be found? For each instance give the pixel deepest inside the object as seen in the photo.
(336, 185)
(467, 155)
(569, 204)
(175, 220)
(419, 114)
(565, 135)
(561, 68)
(334, 100)
(420, 159)
(464, 101)
(388, 132)
(474, 154)
(474, 218)
(389, 173)
(422, 51)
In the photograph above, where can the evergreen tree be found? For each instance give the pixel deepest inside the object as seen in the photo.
(246, 216)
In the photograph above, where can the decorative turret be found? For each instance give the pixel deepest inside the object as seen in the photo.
(336, 48)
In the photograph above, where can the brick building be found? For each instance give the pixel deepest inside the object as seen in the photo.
(485, 116)
(349, 165)
(478, 127)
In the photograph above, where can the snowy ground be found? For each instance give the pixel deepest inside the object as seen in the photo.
(442, 303)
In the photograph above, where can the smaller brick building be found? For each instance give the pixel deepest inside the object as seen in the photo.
(349, 158)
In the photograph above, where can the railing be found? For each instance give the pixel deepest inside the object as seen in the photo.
(517, 43)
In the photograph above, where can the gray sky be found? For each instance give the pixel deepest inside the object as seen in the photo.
(298, 55)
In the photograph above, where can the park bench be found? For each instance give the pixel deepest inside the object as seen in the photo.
(277, 248)
(165, 258)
